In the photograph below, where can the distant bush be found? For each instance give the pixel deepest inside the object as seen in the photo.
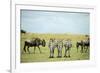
(23, 31)
(86, 35)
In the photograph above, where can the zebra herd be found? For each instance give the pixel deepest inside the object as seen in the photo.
(59, 44)
(67, 44)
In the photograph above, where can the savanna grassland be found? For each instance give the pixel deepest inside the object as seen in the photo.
(44, 56)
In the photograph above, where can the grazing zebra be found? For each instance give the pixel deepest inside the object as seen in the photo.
(67, 45)
(34, 43)
(59, 47)
(84, 44)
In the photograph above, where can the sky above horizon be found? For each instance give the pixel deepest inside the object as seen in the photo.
(55, 22)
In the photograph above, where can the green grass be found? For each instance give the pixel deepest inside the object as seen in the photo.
(44, 56)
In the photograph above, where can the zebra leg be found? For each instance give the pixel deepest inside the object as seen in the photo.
(28, 49)
(24, 48)
(68, 52)
(51, 53)
(65, 52)
(39, 49)
(77, 47)
(34, 49)
(81, 49)
(86, 49)
(60, 52)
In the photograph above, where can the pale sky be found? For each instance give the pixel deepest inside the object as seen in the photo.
(55, 22)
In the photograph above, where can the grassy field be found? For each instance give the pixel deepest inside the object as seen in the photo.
(44, 56)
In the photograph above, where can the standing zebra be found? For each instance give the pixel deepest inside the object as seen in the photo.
(59, 47)
(80, 44)
(86, 45)
(67, 45)
(52, 46)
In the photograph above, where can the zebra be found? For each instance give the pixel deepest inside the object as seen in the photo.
(59, 47)
(80, 44)
(67, 45)
(84, 44)
(34, 43)
(52, 45)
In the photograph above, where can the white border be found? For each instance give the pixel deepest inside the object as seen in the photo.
(16, 66)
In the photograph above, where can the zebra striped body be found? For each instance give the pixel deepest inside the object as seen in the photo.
(67, 45)
(59, 47)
